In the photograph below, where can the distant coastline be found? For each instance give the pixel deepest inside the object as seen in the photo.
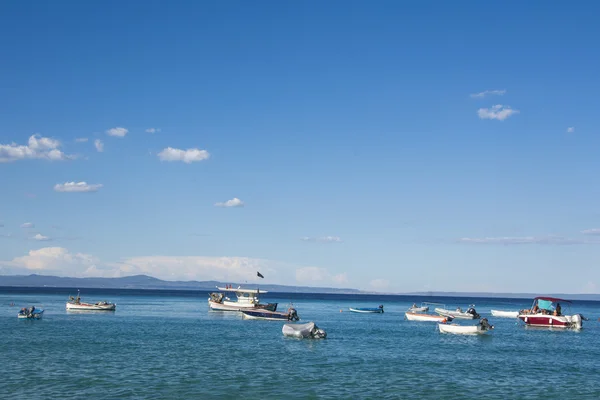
(145, 282)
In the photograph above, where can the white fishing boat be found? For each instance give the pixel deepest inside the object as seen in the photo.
(481, 328)
(247, 299)
(75, 303)
(471, 313)
(505, 314)
(308, 331)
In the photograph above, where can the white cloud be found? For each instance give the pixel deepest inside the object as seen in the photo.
(28, 225)
(41, 237)
(485, 93)
(55, 260)
(117, 132)
(499, 112)
(593, 231)
(153, 130)
(323, 239)
(38, 147)
(571, 129)
(235, 202)
(99, 145)
(508, 240)
(187, 156)
(81, 140)
(77, 187)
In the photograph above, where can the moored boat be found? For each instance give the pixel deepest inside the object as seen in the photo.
(75, 303)
(481, 328)
(411, 316)
(375, 310)
(30, 313)
(505, 314)
(290, 315)
(416, 309)
(247, 299)
(471, 313)
(547, 312)
(307, 331)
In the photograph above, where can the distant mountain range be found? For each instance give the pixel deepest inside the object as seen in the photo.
(148, 282)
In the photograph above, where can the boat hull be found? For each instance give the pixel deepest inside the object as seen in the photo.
(552, 321)
(215, 306)
(505, 314)
(265, 315)
(34, 315)
(367, 310)
(425, 317)
(462, 329)
(91, 307)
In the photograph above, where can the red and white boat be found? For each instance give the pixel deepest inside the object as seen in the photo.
(547, 312)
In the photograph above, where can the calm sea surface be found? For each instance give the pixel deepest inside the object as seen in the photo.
(166, 344)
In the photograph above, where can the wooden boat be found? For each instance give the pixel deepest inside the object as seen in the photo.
(471, 313)
(75, 303)
(290, 315)
(411, 316)
(547, 312)
(505, 314)
(307, 331)
(247, 299)
(377, 310)
(481, 328)
(30, 313)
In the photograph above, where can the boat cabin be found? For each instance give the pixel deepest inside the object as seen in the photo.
(547, 306)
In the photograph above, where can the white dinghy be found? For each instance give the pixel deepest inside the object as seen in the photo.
(308, 330)
(505, 314)
(481, 328)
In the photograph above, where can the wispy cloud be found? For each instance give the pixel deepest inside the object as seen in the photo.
(540, 240)
(235, 202)
(117, 132)
(322, 239)
(499, 112)
(81, 140)
(317, 275)
(99, 145)
(28, 225)
(38, 147)
(75, 187)
(571, 129)
(593, 231)
(187, 156)
(153, 130)
(41, 238)
(485, 93)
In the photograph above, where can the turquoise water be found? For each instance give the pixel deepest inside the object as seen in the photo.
(168, 345)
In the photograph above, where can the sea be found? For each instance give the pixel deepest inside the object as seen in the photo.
(168, 345)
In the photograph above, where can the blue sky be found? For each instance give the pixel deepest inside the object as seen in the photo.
(393, 146)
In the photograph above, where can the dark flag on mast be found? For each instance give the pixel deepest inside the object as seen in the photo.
(259, 274)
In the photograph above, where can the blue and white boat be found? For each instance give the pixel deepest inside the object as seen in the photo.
(378, 310)
(30, 313)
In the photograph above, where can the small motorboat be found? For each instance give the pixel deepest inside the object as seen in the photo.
(75, 303)
(30, 313)
(547, 312)
(481, 328)
(307, 331)
(471, 313)
(411, 316)
(505, 314)
(377, 310)
(290, 315)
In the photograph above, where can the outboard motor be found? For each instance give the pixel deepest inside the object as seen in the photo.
(318, 333)
(485, 324)
(576, 321)
(381, 307)
(472, 311)
(293, 315)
